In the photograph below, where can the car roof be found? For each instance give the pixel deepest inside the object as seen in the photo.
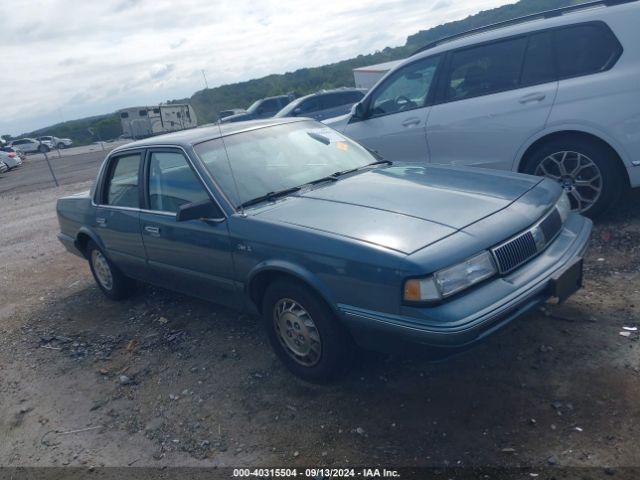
(328, 92)
(590, 11)
(193, 136)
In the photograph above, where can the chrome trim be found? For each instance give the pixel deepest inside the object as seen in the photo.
(157, 212)
(144, 149)
(524, 232)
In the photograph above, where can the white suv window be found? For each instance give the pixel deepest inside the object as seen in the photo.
(406, 89)
(585, 49)
(485, 69)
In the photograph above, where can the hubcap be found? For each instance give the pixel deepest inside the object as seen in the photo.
(102, 269)
(578, 175)
(297, 332)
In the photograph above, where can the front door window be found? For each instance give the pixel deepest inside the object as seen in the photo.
(172, 182)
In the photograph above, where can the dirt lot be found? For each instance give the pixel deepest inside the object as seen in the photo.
(162, 379)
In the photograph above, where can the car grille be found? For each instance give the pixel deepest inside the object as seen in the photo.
(521, 248)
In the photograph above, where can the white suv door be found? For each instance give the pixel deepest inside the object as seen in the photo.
(492, 98)
(394, 117)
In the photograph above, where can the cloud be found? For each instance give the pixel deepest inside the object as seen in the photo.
(442, 4)
(79, 58)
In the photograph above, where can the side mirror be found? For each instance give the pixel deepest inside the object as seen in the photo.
(203, 210)
(357, 111)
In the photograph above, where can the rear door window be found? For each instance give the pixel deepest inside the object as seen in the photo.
(485, 69)
(309, 105)
(353, 97)
(121, 187)
(270, 105)
(585, 49)
(539, 63)
(332, 100)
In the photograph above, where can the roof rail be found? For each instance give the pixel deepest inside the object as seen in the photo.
(527, 18)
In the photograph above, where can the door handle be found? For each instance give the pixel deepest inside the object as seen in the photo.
(151, 230)
(533, 97)
(102, 222)
(411, 121)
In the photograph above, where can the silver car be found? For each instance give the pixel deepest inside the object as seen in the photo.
(11, 160)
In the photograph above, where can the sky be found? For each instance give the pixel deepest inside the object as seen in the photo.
(67, 59)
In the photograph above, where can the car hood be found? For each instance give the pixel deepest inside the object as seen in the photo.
(338, 123)
(403, 208)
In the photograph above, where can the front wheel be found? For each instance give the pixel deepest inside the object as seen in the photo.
(304, 332)
(586, 170)
(60, 146)
(43, 148)
(113, 283)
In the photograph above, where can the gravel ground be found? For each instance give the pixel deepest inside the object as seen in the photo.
(162, 379)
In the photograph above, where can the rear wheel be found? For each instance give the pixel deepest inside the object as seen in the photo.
(113, 283)
(586, 170)
(304, 332)
(60, 146)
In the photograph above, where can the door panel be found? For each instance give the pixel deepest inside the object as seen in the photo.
(487, 131)
(192, 256)
(119, 230)
(398, 137)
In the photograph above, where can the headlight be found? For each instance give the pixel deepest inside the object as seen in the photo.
(451, 280)
(563, 205)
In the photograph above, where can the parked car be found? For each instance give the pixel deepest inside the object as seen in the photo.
(56, 142)
(263, 108)
(331, 245)
(323, 104)
(17, 151)
(30, 145)
(231, 111)
(553, 95)
(10, 159)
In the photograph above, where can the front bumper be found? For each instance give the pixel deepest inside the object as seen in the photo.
(473, 315)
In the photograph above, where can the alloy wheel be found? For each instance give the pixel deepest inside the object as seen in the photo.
(297, 332)
(578, 175)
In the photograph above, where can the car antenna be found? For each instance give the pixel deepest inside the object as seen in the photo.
(226, 152)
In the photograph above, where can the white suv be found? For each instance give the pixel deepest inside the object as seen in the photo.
(554, 94)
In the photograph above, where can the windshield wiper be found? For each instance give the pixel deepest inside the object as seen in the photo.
(330, 178)
(344, 172)
(270, 196)
(375, 153)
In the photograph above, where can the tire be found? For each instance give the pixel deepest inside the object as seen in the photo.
(61, 146)
(113, 283)
(43, 148)
(594, 159)
(329, 345)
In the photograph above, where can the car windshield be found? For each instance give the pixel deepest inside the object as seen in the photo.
(254, 106)
(278, 158)
(286, 111)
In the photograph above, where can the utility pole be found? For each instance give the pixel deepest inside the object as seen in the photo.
(205, 80)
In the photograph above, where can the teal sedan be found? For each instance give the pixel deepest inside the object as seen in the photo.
(332, 245)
